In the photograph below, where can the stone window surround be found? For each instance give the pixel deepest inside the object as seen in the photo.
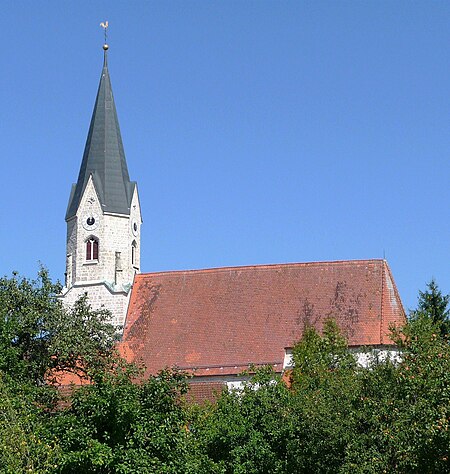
(92, 245)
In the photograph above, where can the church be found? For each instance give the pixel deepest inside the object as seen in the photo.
(213, 323)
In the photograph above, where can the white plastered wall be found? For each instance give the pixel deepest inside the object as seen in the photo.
(364, 356)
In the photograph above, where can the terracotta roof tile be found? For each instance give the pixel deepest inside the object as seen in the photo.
(205, 391)
(218, 321)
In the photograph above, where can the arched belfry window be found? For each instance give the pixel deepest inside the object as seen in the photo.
(133, 252)
(92, 249)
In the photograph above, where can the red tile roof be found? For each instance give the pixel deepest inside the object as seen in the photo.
(218, 321)
(205, 391)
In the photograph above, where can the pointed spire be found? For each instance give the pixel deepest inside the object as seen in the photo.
(104, 156)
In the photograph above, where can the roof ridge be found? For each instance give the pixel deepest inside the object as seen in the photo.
(266, 266)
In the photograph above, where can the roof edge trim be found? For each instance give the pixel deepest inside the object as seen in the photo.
(264, 266)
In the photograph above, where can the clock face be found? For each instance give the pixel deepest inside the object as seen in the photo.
(90, 221)
(134, 227)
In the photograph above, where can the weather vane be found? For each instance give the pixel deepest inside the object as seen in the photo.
(104, 25)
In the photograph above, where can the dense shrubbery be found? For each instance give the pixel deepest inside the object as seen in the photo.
(335, 418)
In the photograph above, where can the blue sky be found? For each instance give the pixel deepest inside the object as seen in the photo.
(258, 131)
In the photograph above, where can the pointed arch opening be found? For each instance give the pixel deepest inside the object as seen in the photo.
(92, 247)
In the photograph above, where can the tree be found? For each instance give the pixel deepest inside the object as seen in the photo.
(116, 423)
(335, 418)
(23, 447)
(122, 425)
(391, 417)
(246, 431)
(413, 431)
(325, 394)
(436, 306)
(40, 337)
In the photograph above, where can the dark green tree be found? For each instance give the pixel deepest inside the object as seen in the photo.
(435, 305)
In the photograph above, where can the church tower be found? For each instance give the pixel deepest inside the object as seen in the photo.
(103, 215)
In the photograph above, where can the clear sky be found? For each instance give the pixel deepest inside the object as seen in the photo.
(258, 131)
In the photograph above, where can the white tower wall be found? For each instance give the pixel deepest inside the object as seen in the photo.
(107, 280)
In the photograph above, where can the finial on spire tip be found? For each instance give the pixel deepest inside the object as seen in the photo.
(104, 25)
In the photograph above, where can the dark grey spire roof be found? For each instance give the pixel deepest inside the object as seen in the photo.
(104, 157)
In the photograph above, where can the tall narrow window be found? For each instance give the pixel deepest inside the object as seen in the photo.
(92, 249)
(133, 252)
(68, 271)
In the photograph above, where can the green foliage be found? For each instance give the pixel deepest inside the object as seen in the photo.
(121, 425)
(22, 448)
(422, 395)
(39, 337)
(315, 356)
(433, 304)
(336, 417)
(392, 417)
(246, 431)
(326, 388)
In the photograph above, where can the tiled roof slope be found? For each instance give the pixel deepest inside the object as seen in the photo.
(205, 392)
(218, 321)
